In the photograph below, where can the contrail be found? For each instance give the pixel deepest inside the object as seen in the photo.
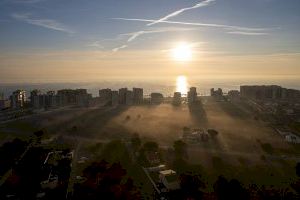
(46, 23)
(173, 14)
(135, 35)
(163, 19)
(240, 28)
(118, 48)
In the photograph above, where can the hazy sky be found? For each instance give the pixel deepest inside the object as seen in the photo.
(63, 40)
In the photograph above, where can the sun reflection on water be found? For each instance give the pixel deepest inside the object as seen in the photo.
(181, 85)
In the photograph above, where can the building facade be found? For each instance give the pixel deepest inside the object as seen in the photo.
(138, 95)
(105, 95)
(192, 95)
(156, 98)
(268, 92)
(18, 99)
(177, 98)
(122, 95)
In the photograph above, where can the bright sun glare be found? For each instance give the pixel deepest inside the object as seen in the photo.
(182, 52)
(181, 85)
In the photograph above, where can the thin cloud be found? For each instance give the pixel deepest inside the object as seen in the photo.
(135, 35)
(173, 14)
(228, 27)
(95, 44)
(27, 1)
(46, 23)
(24, 2)
(119, 48)
(247, 33)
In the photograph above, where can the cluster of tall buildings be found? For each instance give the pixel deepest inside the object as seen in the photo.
(271, 92)
(216, 93)
(80, 97)
(192, 97)
(16, 100)
(123, 96)
(135, 96)
(50, 99)
(63, 97)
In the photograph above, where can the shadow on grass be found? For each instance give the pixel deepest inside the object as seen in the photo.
(232, 110)
(198, 114)
(93, 122)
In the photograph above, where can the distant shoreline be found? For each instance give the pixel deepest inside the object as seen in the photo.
(166, 88)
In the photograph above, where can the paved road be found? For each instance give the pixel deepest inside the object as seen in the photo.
(72, 178)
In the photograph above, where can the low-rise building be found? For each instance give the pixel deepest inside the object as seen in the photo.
(233, 94)
(169, 179)
(156, 168)
(288, 136)
(292, 138)
(177, 98)
(216, 93)
(156, 98)
(152, 157)
(196, 135)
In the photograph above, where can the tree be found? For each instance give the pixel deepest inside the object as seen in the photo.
(233, 189)
(106, 181)
(221, 188)
(180, 165)
(185, 128)
(136, 142)
(298, 169)
(39, 133)
(151, 146)
(180, 148)
(212, 132)
(190, 186)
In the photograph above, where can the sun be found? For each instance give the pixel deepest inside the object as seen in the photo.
(182, 52)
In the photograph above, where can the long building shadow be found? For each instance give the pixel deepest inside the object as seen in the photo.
(88, 124)
(232, 109)
(198, 114)
(94, 123)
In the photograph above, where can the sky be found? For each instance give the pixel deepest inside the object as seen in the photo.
(88, 40)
